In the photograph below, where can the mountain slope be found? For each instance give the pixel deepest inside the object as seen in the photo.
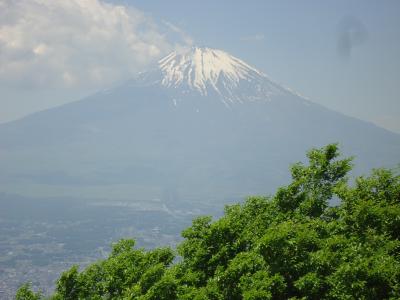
(202, 126)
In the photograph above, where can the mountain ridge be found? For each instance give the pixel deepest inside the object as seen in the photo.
(144, 138)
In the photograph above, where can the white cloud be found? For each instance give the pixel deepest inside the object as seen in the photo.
(187, 39)
(75, 43)
(390, 122)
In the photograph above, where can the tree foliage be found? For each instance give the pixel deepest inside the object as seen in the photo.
(292, 245)
(25, 293)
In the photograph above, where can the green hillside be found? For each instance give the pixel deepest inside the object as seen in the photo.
(292, 245)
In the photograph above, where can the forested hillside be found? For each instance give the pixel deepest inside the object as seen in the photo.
(292, 245)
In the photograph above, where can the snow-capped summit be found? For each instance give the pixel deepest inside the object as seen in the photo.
(205, 71)
(200, 67)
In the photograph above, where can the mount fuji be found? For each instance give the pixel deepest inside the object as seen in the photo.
(202, 126)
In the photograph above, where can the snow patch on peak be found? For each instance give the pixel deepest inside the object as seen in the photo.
(204, 68)
(210, 72)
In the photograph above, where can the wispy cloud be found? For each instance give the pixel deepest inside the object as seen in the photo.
(255, 38)
(187, 39)
(390, 122)
(76, 42)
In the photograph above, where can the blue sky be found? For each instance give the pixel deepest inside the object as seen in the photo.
(341, 54)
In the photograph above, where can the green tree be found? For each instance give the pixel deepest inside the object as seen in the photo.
(292, 245)
(68, 286)
(25, 293)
